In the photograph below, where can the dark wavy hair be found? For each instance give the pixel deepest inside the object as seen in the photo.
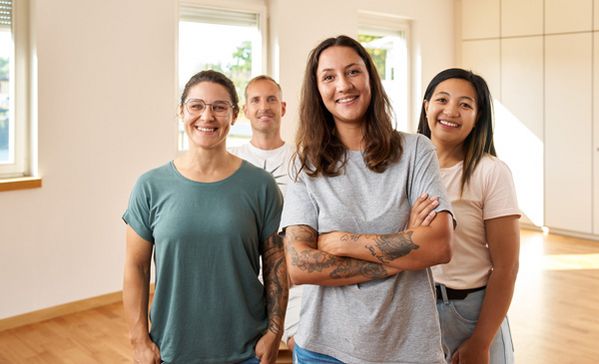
(214, 77)
(480, 140)
(319, 149)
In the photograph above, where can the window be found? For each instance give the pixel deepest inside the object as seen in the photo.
(385, 39)
(14, 90)
(228, 41)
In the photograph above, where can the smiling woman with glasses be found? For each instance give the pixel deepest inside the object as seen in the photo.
(208, 218)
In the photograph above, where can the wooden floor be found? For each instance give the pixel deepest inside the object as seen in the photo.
(554, 315)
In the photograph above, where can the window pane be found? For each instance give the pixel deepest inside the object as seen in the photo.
(390, 55)
(6, 127)
(235, 50)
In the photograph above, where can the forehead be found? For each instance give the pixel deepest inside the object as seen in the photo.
(208, 91)
(338, 57)
(457, 87)
(262, 87)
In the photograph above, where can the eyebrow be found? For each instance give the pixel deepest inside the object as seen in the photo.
(447, 94)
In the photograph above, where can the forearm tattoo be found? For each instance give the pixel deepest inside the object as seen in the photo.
(317, 261)
(275, 282)
(391, 247)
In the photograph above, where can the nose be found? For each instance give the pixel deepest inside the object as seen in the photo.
(450, 109)
(343, 84)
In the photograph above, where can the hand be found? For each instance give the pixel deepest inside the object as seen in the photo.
(422, 212)
(267, 348)
(471, 353)
(333, 242)
(291, 343)
(146, 353)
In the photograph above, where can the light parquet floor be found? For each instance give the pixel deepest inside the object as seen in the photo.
(554, 315)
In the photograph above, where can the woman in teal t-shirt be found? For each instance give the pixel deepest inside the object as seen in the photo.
(208, 217)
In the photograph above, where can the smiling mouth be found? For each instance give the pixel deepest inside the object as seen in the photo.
(449, 124)
(346, 100)
(206, 130)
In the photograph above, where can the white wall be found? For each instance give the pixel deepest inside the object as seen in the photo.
(107, 101)
(106, 114)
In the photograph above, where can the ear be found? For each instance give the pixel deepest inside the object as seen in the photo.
(245, 110)
(235, 115)
(180, 111)
(425, 105)
(283, 108)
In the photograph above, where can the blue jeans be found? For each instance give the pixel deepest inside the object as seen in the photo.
(304, 356)
(458, 319)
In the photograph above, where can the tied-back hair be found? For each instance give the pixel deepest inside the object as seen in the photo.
(319, 148)
(480, 140)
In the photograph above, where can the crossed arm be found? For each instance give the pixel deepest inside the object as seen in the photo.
(342, 258)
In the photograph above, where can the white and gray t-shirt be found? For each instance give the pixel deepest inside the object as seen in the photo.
(393, 320)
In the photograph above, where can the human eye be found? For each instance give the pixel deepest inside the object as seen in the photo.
(220, 107)
(271, 99)
(466, 105)
(327, 78)
(441, 100)
(196, 105)
(254, 100)
(354, 72)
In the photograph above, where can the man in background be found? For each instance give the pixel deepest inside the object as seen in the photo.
(264, 108)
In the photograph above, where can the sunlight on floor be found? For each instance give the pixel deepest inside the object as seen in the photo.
(570, 261)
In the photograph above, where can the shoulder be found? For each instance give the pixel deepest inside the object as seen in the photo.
(239, 149)
(156, 174)
(492, 166)
(253, 175)
(416, 143)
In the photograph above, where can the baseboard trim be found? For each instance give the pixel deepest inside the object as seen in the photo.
(60, 310)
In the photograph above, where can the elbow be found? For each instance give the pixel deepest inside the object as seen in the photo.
(297, 276)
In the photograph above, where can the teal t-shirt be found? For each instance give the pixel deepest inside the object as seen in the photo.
(209, 306)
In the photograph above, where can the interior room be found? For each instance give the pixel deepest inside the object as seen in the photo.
(92, 93)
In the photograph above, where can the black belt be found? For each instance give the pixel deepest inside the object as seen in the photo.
(456, 294)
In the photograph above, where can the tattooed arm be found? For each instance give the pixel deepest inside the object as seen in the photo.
(308, 265)
(277, 292)
(412, 249)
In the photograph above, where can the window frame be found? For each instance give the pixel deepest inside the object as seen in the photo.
(20, 96)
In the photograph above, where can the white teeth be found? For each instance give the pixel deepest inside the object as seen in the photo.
(448, 123)
(205, 129)
(347, 99)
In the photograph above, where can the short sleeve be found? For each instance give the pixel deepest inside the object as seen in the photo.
(272, 211)
(137, 214)
(299, 207)
(425, 176)
(499, 193)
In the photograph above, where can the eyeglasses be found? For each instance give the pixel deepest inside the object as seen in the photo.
(197, 107)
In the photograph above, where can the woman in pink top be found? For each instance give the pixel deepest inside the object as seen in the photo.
(475, 288)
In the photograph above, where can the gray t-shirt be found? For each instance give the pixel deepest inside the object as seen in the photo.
(209, 306)
(393, 320)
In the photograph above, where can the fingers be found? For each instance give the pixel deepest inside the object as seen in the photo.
(422, 213)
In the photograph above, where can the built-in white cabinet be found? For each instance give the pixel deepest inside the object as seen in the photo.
(479, 19)
(543, 71)
(568, 132)
(564, 16)
(482, 57)
(521, 18)
(519, 119)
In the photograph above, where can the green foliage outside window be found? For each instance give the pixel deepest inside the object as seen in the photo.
(379, 55)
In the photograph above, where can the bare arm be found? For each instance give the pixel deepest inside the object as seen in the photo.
(136, 288)
(412, 249)
(277, 293)
(503, 238)
(308, 265)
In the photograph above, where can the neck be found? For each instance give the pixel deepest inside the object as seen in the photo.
(266, 141)
(205, 161)
(352, 136)
(449, 155)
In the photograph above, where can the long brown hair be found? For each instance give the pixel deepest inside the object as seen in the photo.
(480, 140)
(319, 149)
